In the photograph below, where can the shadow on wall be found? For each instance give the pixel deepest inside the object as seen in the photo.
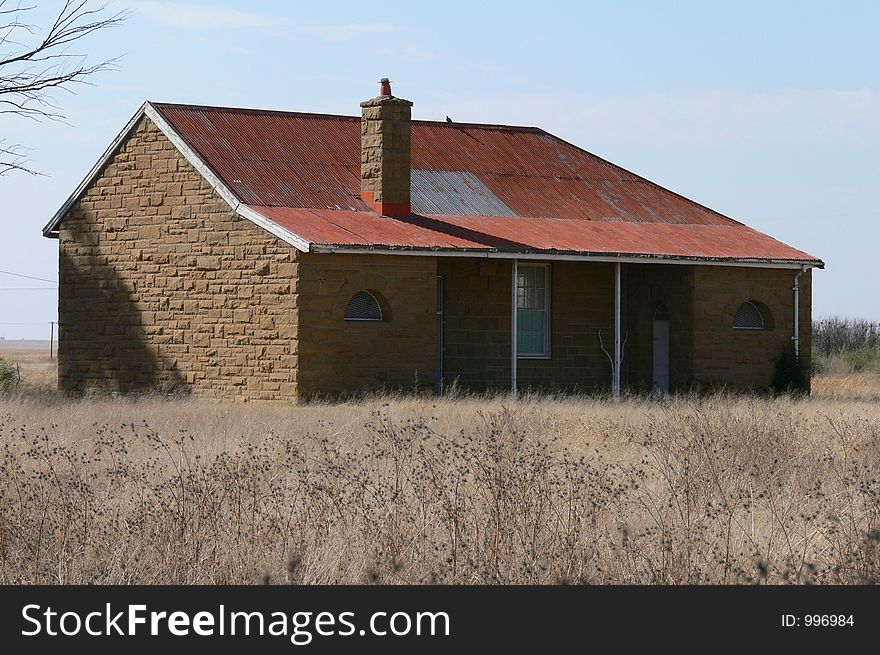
(104, 344)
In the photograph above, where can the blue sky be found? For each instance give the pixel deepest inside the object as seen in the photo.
(767, 112)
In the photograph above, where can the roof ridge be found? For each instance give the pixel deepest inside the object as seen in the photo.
(249, 110)
(315, 114)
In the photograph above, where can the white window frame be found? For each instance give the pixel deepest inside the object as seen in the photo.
(547, 354)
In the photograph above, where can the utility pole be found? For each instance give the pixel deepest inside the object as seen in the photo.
(51, 337)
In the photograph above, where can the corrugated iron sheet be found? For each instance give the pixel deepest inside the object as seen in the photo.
(454, 192)
(276, 158)
(468, 183)
(533, 234)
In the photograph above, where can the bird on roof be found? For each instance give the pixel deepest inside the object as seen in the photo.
(448, 120)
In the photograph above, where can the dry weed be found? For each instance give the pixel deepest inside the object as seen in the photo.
(721, 489)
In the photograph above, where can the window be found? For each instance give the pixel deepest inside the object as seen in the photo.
(748, 317)
(533, 311)
(363, 306)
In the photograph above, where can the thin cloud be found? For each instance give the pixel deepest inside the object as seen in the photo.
(488, 68)
(716, 118)
(182, 16)
(408, 52)
(193, 17)
(346, 32)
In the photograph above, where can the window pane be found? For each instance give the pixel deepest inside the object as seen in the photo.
(532, 304)
(530, 332)
(748, 317)
(363, 306)
(538, 342)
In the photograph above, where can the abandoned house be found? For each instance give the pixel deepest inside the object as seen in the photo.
(273, 255)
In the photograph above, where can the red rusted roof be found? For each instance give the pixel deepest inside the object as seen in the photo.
(302, 171)
(528, 234)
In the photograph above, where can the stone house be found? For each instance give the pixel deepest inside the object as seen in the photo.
(272, 256)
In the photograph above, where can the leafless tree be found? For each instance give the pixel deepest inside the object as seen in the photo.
(35, 64)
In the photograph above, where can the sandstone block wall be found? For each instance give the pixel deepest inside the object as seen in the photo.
(478, 336)
(582, 306)
(338, 356)
(704, 349)
(745, 358)
(646, 287)
(163, 287)
(477, 322)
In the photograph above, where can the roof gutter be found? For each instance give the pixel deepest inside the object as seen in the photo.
(585, 257)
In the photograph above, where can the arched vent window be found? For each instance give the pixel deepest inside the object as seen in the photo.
(748, 317)
(363, 306)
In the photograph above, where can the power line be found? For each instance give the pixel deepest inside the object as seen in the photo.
(28, 289)
(29, 277)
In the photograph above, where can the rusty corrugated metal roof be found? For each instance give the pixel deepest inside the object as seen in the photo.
(303, 172)
(533, 234)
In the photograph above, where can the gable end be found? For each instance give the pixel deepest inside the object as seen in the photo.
(51, 230)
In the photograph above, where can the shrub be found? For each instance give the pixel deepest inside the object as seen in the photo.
(9, 375)
(863, 359)
(835, 334)
(789, 375)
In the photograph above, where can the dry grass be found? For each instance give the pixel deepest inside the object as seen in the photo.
(723, 489)
(847, 386)
(413, 490)
(38, 371)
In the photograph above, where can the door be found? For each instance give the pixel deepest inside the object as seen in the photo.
(661, 350)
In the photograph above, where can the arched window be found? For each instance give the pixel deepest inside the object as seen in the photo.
(363, 306)
(749, 317)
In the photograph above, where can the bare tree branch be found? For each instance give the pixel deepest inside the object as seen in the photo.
(34, 68)
(12, 158)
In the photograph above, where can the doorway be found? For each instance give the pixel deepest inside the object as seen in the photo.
(660, 375)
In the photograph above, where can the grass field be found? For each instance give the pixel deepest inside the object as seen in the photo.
(718, 489)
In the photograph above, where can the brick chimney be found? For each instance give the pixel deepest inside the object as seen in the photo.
(385, 152)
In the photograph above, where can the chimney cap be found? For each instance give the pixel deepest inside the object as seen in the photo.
(385, 96)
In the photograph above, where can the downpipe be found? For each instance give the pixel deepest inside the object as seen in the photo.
(796, 337)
